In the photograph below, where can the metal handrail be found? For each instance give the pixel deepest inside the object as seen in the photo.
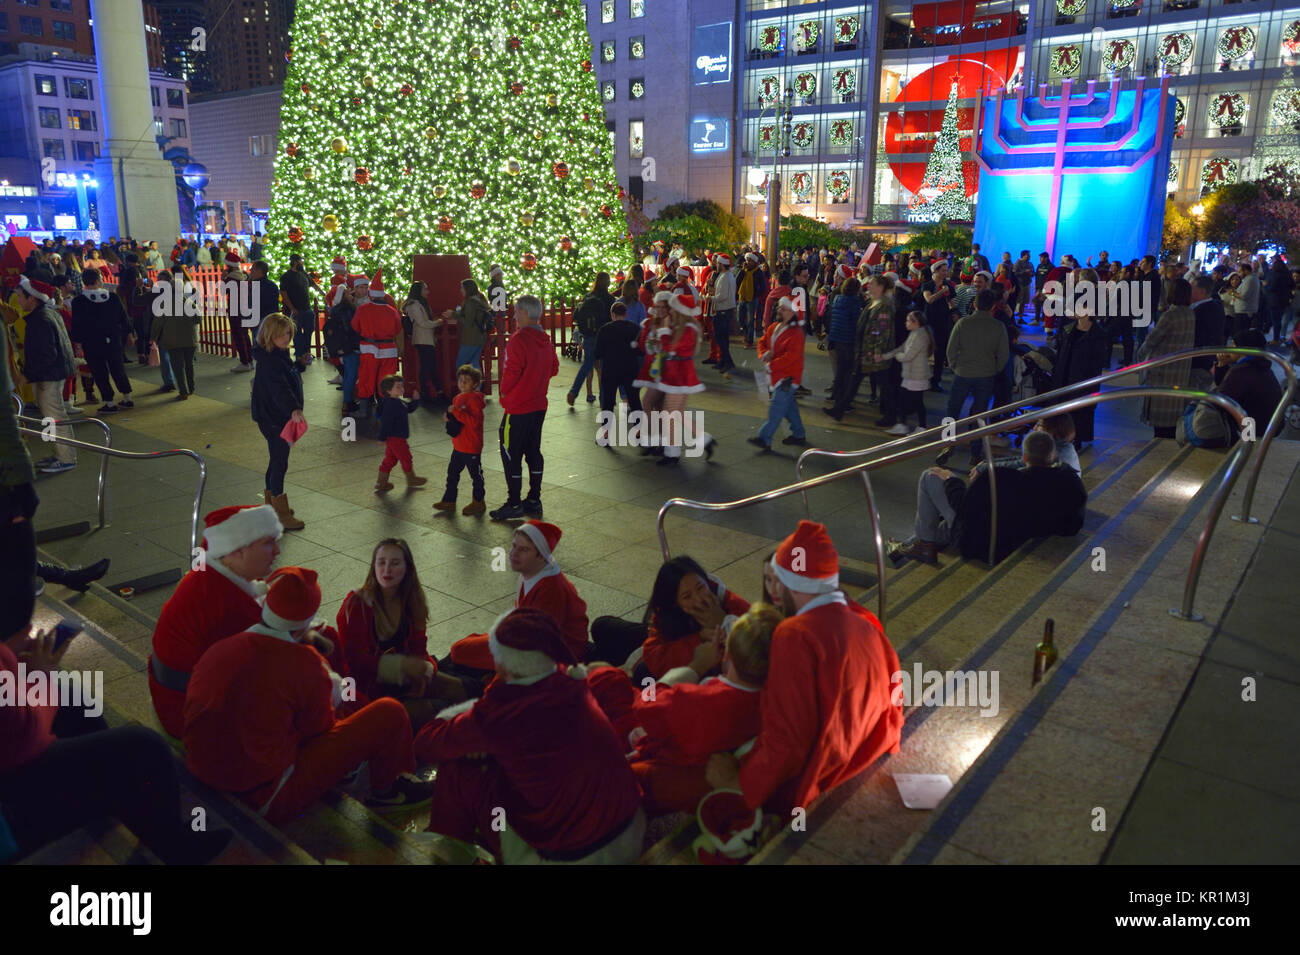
(144, 456)
(101, 490)
(1086, 401)
(1274, 425)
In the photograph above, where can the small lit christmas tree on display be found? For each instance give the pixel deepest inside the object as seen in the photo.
(943, 191)
(454, 127)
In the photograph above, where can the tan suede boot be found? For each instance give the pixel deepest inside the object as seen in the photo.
(282, 511)
(474, 507)
(382, 483)
(266, 499)
(414, 480)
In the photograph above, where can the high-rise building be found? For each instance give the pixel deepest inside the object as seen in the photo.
(246, 43)
(50, 28)
(185, 41)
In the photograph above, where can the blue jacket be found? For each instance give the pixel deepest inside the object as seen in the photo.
(393, 422)
(844, 319)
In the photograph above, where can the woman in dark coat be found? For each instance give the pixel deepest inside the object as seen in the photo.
(1083, 353)
(277, 400)
(1175, 331)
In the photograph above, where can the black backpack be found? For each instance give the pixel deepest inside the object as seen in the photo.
(587, 317)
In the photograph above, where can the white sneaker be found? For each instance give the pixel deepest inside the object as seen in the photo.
(899, 429)
(336, 380)
(240, 368)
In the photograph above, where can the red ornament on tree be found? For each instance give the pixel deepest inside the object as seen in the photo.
(586, 117)
(288, 55)
(295, 235)
(565, 243)
(478, 190)
(306, 87)
(362, 175)
(292, 149)
(586, 66)
(517, 88)
(621, 193)
(528, 262)
(560, 169)
(356, 101)
(514, 43)
(406, 90)
(445, 224)
(606, 211)
(364, 243)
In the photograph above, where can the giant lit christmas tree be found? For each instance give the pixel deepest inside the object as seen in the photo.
(943, 191)
(456, 127)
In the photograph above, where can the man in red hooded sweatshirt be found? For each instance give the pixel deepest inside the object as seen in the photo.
(380, 328)
(529, 365)
(826, 711)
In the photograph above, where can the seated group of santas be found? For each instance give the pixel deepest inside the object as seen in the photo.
(545, 750)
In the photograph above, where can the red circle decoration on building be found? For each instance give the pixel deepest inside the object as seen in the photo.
(295, 235)
(362, 175)
(445, 224)
(909, 137)
(528, 262)
(561, 170)
(364, 243)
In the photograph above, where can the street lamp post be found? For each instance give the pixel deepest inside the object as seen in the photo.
(755, 177)
(786, 105)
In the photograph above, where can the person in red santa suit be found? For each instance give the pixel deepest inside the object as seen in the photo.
(548, 782)
(543, 587)
(380, 328)
(677, 342)
(686, 717)
(339, 279)
(647, 379)
(260, 720)
(218, 600)
(826, 710)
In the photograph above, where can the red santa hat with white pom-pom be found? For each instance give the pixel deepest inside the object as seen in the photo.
(227, 529)
(377, 286)
(292, 599)
(845, 272)
(528, 643)
(806, 561)
(684, 304)
(339, 264)
(723, 260)
(543, 536)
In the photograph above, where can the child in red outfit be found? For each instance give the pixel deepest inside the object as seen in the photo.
(675, 725)
(465, 425)
(394, 429)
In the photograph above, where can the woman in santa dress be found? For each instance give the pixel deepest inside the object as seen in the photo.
(678, 339)
(648, 345)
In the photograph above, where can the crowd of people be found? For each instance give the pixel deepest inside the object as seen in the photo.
(546, 715)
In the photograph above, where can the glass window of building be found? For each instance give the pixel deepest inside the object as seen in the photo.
(606, 11)
(607, 91)
(46, 85)
(64, 5)
(81, 119)
(636, 88)
(636, 138)
(85, 151)
(177, 128)
(158, 126)
(64, 30)
(52, 148)
(154, 96)
(175, 97)
(76, 89)
(636, 48)
(607, 51)
(636, 9)
(50, 118)
(31, 26)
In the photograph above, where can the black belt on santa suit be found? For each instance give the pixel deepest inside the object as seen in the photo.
(172, 679)
(379, 341)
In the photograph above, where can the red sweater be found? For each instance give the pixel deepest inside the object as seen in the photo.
(204, 608)
(826, 711)
(253, 701)
(569, 785)
(356, 626)
(24, 730)
(660, 655)
(468, 410)
(530, 364)
(782, 348)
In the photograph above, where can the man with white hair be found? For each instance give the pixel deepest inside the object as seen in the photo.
(724, 310)
(533, 771)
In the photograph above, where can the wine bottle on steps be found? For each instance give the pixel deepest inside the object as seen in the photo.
(1045, 652)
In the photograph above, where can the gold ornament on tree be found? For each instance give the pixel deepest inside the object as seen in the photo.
(589, 184)
(339, 144)
(400, 212)
(514, 167)
(377, 23)
(330, 223)
(526, 220)
(439, 191)
(476, 53)
(309, 174)
(430, 133)
(552, 100)
(368, 81)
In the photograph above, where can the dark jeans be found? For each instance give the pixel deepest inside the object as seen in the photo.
(521, 440)
(940, 331)
(842, 386)
(183, 368)
(302, 330)
(1122, 331)
(428, 359)
(911, 402)
(615, 639)
(89, 773)
(142, 324)
(278, 450)
(980, 390)
(610, 387)
(588, 343)
(102, 365)
(17, 569)
(241, 342)
(459, 462)
(722, 335)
